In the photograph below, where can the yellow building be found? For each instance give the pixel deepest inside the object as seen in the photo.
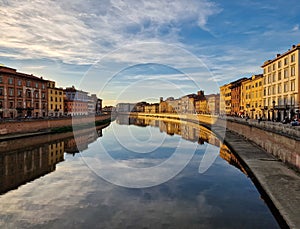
(201, 106)
(281, 85)
(55, 100)
(56, 152)
(251, 97)
(225, 99)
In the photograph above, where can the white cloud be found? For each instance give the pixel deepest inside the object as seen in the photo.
(295, 28)
(82, 31)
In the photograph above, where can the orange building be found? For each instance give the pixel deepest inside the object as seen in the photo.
(22, 95)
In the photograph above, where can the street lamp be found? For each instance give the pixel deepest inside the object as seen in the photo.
(273, 110)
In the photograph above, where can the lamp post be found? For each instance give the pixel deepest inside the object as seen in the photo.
(273, 110)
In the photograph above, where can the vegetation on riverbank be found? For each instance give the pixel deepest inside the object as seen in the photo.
(79, 126)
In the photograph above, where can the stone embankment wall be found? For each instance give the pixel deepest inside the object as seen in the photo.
(280, 140)
(26, 126)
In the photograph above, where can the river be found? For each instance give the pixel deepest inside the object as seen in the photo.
(133, 173)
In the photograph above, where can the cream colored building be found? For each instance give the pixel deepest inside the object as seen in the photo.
(251, 97)
(281, 85)
(225, 99)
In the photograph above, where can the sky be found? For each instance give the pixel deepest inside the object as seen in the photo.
(129, 51)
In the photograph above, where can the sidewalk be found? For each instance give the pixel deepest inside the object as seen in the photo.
(277, 127)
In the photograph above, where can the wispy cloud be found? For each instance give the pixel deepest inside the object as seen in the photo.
(82, 31)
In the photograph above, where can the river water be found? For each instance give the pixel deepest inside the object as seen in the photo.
(133, 173)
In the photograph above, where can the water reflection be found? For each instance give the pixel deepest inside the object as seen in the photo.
(23, 160)
(74, 197)
(188, 131)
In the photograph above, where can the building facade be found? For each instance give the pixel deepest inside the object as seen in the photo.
(213, 104)
(152, 108)
(251, 97)
(22, 95)
(236, 96)
(55, 100)
(281, 85)
(225, 99)
(75, 102)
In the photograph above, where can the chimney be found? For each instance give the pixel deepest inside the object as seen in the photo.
(161, 99)
(294, 46)
(278, 55)
(201, 93)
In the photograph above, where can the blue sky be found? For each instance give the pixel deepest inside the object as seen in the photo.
(141, 50)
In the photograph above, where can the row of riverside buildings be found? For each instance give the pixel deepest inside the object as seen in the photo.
(189, 104)
(273, 95)
(26, 95)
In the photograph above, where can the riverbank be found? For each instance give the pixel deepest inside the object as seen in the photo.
(271, 176)
(20, 129)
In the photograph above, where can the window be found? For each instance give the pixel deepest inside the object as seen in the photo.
(285, 100)
(36, 105)
(279, 101)
(11, 92)
(279, 75)
(269, 79)
(292, 100)
(20, 104)
(274, 77)
(1, 79)
(273, 66)
(20, 92)
(269, 90)
(36, 95)
(43, 86)
(28, 83)
(51, 99)
(43, 95)
(1, 103)
(285, 87)
(286, 61)
(28, 93)
(293, 71)
(19, 82)
(279, 88)
(10, 81)
(50, 91)
(1, 91)
(293, 58)
(273, 90)
(264, 71)
(11, 104)
(279, 64)
(293, 85)
(55, 99)
(286, 73)
(269, 68)
(36, 85)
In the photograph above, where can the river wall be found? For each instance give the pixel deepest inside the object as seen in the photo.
(26, 126)
(280, 140)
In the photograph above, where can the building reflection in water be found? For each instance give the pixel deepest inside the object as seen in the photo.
(188, 131)
(24, 160)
